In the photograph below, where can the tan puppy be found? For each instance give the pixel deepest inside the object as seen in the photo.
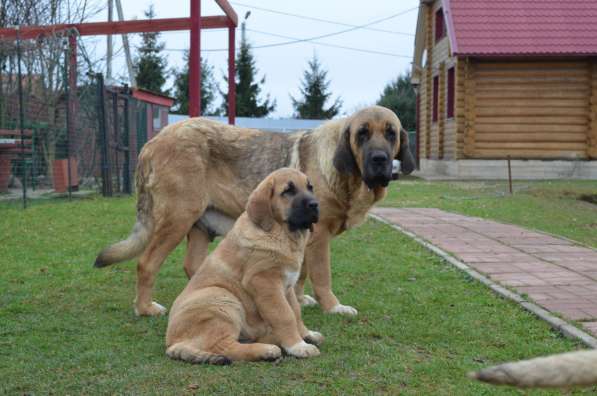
(194, 179)
(245, 288)
(556, 371)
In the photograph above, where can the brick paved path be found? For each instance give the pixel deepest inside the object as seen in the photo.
(555, 273)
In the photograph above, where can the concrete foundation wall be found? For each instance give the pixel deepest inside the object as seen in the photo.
(498, 169)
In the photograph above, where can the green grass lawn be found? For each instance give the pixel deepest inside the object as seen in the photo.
(67, 328)
(549, 206)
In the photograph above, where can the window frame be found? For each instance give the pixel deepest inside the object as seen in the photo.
(435, 100)
(440, 25)
(451, 93)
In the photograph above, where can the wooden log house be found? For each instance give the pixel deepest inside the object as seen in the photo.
(507, 78)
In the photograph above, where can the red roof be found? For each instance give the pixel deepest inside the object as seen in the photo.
(152, 97)
(522, 27)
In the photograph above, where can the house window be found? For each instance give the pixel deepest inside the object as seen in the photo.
(440, 26)
(435, 98)
(450, 107)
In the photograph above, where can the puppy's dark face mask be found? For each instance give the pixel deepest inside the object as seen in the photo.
(304, 207)
(285, 197)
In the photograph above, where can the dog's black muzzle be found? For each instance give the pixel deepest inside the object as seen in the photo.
(378, 169)
(304, 212)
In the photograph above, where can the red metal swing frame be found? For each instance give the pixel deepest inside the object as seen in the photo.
(194, 24)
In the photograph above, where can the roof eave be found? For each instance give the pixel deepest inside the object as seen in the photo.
(524, 55)
(419, 43)
(446, 6)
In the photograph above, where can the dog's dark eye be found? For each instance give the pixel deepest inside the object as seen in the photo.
(290, 189)
(390, 133)
(310, 187)
(362, 135)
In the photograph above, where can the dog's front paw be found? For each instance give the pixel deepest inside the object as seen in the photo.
(303, 350)
(272, 353)
(307, 301)
(154, 309)
(343, 310)
(314, 337)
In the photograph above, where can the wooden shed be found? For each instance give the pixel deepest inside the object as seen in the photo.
(508, 78)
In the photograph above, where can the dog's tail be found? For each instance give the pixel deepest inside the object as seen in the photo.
(563, 370)
(127, 249)
(136, 242)
(188, 353)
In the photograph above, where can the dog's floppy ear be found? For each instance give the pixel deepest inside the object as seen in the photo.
(259, 206)
(407, 162)
(343, 158)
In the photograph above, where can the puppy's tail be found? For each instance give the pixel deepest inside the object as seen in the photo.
(563, 370)
(130, 248)
(188, 353)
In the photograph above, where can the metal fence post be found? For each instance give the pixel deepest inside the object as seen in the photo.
(68, 120)
(126, 177)
(116, 126)
(103, 138)
(21, 119)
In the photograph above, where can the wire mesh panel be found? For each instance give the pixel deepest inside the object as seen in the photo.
(61, 131)
(119, 140)
(34, 108)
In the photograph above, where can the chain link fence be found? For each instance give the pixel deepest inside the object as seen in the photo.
(61, 139)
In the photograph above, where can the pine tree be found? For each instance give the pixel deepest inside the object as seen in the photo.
(315, 93)
(247, 90)
(151, 66)
(181, 88)
(399, 96)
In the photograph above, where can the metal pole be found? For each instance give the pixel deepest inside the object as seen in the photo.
(231, 76)
(116, 140)
(509, 176)
(103, 138)
(109, 45)
(68, 119)
(21, 119)
(195, 60)
(126, 177)
(127, 49)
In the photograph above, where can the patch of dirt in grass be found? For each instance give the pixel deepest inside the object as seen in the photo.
(565, 194)
(590, 198)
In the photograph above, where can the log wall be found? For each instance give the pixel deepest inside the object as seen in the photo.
(525, 109)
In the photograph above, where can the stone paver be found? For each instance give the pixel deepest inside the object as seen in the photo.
(555, 273)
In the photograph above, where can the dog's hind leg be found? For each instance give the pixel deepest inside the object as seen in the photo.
(165, 238)
(189, 352)
(197, 249)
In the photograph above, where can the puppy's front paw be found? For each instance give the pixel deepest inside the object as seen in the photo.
(154, 309)
(314, 337)
(307, 301)
(272, 353)
(343, 310)
(303, 350)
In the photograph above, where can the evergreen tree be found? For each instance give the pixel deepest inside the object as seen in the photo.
(151, 66)
(247, 89)
(399, 96)
(315, 93)
(181, 88)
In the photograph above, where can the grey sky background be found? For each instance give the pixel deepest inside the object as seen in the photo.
(357, 77)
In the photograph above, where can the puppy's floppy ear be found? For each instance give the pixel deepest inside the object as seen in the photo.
(343, 157)
(407, 161)
(259, 206)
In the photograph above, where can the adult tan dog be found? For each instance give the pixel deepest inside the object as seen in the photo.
(245, 288)
(556, 371)
(194, 178)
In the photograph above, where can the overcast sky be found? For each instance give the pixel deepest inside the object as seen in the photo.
(357, 77)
